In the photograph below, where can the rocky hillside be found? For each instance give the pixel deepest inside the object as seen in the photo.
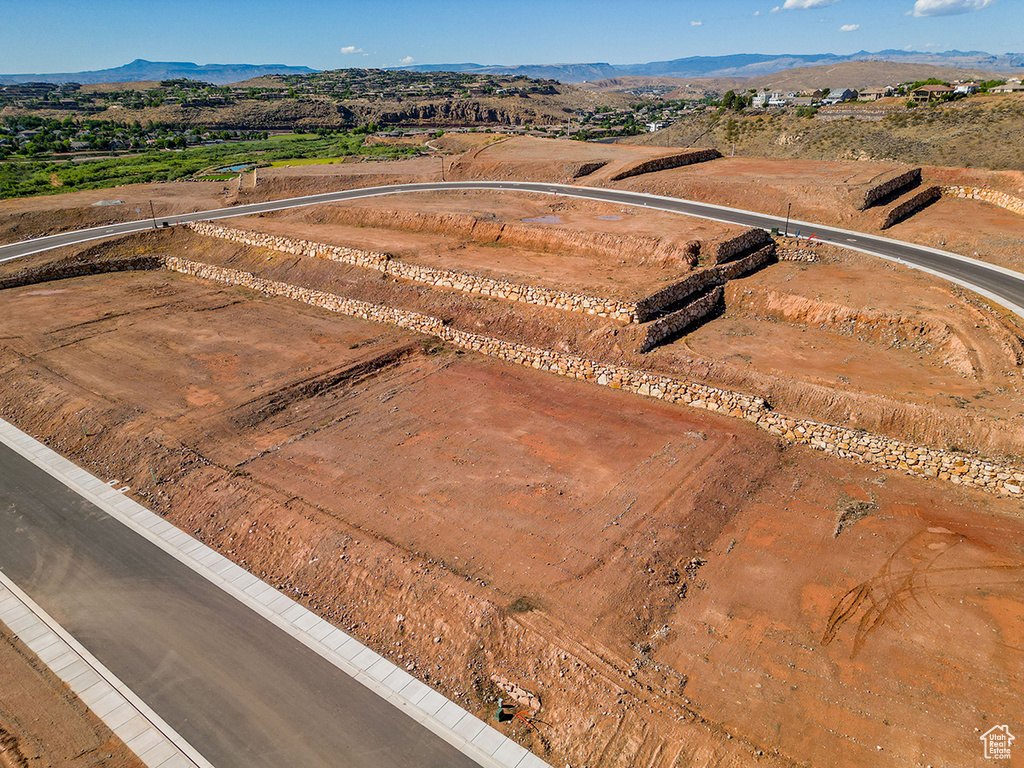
(984, 132)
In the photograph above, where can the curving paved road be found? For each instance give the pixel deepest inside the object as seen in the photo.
(997, 283)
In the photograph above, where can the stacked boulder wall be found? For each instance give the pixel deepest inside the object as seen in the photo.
(667, 162)
(909, 207)
(993, 196)
(886, 185)
(457, 280)
(675, 322)
(729, 249)
(668, 298)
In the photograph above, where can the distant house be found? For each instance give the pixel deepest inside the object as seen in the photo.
(803, 101)
(874, 94)
(928, 93)
(759, 101)
(652, 127)
(1010, 86)
(777, 100)
(966, 88)
(837, 95)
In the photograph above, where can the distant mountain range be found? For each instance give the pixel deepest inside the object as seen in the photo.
(140, 69)
(737, 65)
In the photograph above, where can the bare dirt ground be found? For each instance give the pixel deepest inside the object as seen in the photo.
(43, 723)
(819, 191)
(679, 588)
(825, 340)
(824, 192)
(28, 217)
(644, 543)
(600, 249)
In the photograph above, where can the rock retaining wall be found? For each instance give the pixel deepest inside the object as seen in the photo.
(886, 184)
(674, 322)
(665, 163)
(910, 207)
(698, 282)
(892, 454)
(837, 441)
(585, 169)
(466, 282)
(1003, 200)
(727, 250)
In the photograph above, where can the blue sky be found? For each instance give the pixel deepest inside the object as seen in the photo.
(63, 36)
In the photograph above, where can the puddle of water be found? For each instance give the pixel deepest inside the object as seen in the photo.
(46, 292)
(229, 168)
(610, 218)
(544, 220)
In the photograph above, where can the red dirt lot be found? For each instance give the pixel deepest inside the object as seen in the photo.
(580, 246)
(850, 340)
(43, 723)
(679, 588)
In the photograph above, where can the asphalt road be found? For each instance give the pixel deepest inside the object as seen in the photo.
(997, 283)
(241, 691)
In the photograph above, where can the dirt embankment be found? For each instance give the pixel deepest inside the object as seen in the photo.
(641, 249)
(936, 339)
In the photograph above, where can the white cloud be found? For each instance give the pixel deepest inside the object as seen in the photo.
(407, 60)
(791, 4)
(949, 7)
(351, 49)
(696, 23)
(776, 9)
(757, 13)
(849, 27)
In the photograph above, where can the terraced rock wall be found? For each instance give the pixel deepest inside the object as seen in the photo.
(727, 250)
(674, 322)
(455, 280)
(838, 441)
(700, 281)
(1002, 199)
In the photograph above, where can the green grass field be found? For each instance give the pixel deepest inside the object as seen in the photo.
(306, 161)
(29, 177)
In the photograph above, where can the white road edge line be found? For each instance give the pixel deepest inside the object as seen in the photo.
(156, 743)
(488, 747)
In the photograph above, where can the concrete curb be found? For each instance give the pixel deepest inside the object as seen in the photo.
(470, 735)
(140, 728)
